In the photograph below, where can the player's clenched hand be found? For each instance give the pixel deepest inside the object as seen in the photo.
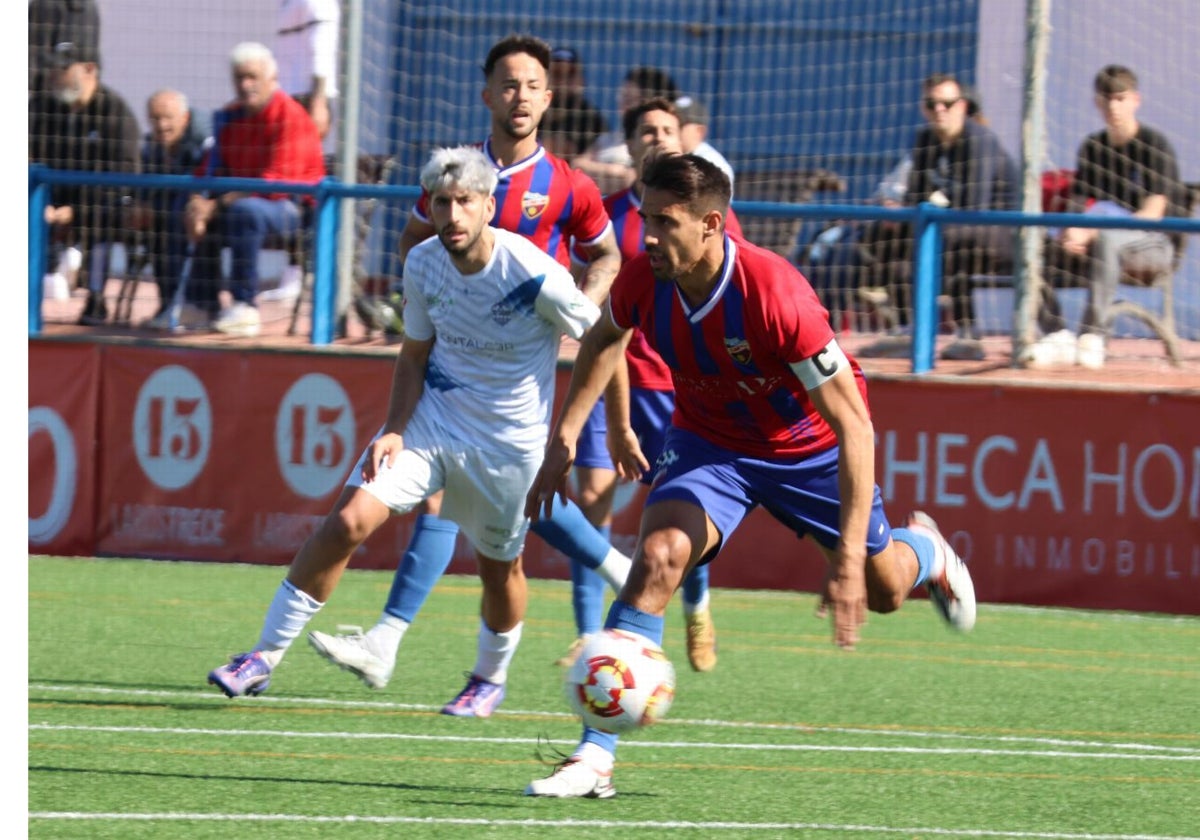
(381, 453)
(846, 592)
(551, 479)
(626, 453)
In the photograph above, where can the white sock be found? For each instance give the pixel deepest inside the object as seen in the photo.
(595, 756)
(615, 569)
(385, 637)
(289, 612)
(496, 651)
(700, 606)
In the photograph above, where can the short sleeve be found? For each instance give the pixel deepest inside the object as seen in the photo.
(561, 303)
(417, 324)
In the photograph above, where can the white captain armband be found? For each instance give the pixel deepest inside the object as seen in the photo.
(816, 370)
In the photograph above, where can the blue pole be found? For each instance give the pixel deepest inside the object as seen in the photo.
(927, 280)
(324, 266)
(39, 198)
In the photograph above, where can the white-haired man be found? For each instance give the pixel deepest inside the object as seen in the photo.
(483, 315)
(263, 133)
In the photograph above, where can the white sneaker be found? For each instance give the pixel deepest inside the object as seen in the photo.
(952, 592)
(350, 651)
(1091, 351)
(1057, 348)
(55, 286)
(290, 283)
(240, 319)
(574, 778)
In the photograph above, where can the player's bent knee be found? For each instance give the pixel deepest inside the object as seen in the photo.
(883, 601)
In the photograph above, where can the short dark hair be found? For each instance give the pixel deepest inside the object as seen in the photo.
(631, 118)
(653, 82)
(1114, 78)
(697, 182)
(935, 79)
(513, 44)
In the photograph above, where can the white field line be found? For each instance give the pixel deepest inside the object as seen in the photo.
(1188, 752)
(666, 825)
(682, 745)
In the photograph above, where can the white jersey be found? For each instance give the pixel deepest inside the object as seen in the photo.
(306, 45)
(490, 378)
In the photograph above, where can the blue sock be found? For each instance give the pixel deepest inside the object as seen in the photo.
(429, 553)
(922, 546)
(569, 531)
(622, 616)
(587, 595)
(695, 585)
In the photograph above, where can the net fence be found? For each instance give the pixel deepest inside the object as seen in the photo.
(810, 102)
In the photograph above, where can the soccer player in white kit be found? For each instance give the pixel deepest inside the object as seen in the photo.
(469, 414)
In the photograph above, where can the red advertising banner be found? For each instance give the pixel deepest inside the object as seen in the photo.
(1054, 497)
(64, 393)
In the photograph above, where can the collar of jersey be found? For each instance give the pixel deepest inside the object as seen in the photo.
(697, 314)
(505, 172)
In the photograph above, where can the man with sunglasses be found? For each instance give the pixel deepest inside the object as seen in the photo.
(959, 162)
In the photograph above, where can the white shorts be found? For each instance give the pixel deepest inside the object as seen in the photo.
(485, 492)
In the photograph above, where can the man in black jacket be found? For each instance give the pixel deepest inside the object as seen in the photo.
(79, 124)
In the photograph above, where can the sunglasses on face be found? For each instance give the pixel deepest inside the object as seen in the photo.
(932, 104)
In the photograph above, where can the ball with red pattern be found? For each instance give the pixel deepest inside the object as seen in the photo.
(621, 681)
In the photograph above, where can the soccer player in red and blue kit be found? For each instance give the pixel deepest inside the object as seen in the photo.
(545, 200)
(650, 128)
(769, 411)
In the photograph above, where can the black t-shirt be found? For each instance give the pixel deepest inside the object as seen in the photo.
(1125, 175)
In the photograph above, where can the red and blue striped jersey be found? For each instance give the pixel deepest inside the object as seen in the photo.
(730, 358)
(546, 201)
(646, 368)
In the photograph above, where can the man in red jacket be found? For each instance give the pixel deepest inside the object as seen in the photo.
(263, 133)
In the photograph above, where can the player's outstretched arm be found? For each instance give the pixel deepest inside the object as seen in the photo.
(840, 403)
(623, 446)
(602, 347)
(408, 383)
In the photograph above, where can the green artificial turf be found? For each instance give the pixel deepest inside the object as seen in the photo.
(1039, 724)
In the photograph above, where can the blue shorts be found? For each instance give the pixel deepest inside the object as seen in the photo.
(649, 415)
(592, 449)
(802, 493)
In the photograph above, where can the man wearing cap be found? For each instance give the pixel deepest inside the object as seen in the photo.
(52, 22)
(693, 133)
(80, 124)
(571, 123)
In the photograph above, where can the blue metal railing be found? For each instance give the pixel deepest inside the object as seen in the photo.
(926, 221)
(325, 224)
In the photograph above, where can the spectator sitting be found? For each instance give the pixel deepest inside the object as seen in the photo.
(1126, 169)
(179, 137)
(885, 247)
(571, 123)
(957, 162)
(693, 134)
(607, 160)
(264, 133)
(83, 125)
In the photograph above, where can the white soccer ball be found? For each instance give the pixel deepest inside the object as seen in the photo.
(620, 681)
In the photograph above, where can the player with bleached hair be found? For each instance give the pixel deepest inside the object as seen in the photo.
(468, 414)
(769, 411)
(542, 198)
